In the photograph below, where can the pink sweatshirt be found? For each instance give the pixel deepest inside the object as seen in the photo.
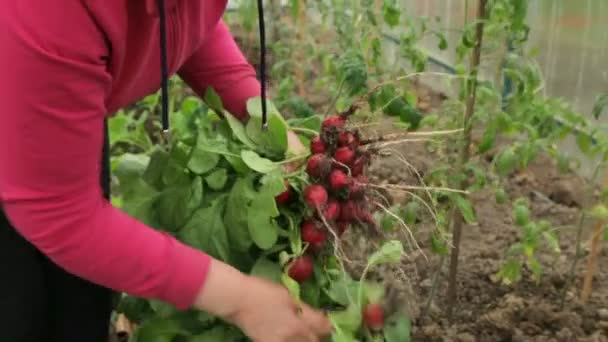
(65, 66)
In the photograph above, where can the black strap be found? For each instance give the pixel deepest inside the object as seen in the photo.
(262, 61)
(163, 66)
(105, 162)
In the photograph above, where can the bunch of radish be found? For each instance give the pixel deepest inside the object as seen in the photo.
(336, 196)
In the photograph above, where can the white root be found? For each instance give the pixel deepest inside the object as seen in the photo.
(412, 240)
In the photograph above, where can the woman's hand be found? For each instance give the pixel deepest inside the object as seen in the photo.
(264, 311)
(269, 314)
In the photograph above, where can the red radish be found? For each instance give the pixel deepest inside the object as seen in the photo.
(332, 211)
(344, 155)
(373, 317)
(358, 166)
(341, 227)
(338, 180)
(358, 189)
(350, 211)
(301, 268)
(313, 167)
(317, 145)
(315, 195)
(285, 196)
(313, 235)
(334, 121)
(348, 139)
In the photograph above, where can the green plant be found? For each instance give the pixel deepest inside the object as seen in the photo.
(523, 252)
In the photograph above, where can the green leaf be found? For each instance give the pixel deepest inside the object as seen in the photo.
(488, 139)
(206, 230)
(606, 233)
(158, 329)
(173, 207)
(154, 171)
(389, 253)
(501, 196)
(262, 227)
(438, 244)
(272, 140)
(411, 116)
(292, 286)
(391, 12)
(343, 336)
(217, 179)
(310, 293)
(343, 291)
(138, 200)
(257, 163)
(465, 207)
(510, 272)
(348, 320)
(267, 269)
(131, 166)
(535, 267)
(215, 334)
(600, 103)
(372, 292)
(273, 183)
(398, 328)
(599, 211)
(162, 309)
(506, 161)
(410, 214)
(238, 129)
(201, 161)
(213, 100)
(521, 213)
(584, 142)
(352, 71)
(552, 241)
(236, 221)
(312, 122)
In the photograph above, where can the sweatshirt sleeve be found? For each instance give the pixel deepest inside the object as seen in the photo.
(53, 89)
(219, 63)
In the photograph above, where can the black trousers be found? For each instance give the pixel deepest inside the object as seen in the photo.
(39, 301)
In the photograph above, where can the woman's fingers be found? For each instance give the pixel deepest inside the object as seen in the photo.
(318, 322)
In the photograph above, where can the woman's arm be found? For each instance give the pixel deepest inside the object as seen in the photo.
(220, 64)
(52, 90)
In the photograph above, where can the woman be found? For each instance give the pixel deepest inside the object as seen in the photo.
(66, 66)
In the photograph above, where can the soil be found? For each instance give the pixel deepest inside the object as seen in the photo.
(488, 310)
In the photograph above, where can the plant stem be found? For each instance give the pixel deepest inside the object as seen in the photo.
(434, 284)
(593, 254)
(579, 235)
(457, 218)
(304, 130)
(414, 187)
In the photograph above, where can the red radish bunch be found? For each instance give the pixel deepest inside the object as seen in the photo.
(338, 167)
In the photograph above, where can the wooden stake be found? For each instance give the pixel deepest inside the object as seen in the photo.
(300, 65)
(457, 218)
(596, 246)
